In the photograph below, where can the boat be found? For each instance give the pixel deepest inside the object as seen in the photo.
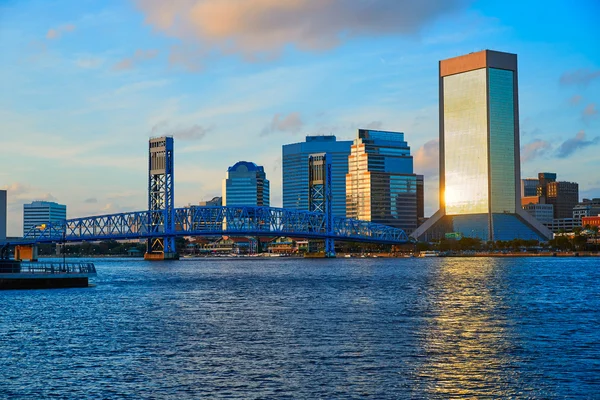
(429, 253)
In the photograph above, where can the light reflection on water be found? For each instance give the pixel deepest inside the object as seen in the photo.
(359, 328)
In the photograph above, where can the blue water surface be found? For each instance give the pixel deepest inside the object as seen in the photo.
(309, 329)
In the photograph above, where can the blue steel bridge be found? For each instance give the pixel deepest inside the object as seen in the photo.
(214, 221)
(162, 222)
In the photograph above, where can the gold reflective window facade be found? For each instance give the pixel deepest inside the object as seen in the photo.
(465, 143)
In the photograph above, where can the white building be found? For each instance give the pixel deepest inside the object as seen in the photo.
(42, 212)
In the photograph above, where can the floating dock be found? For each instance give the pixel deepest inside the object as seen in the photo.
(44, 275)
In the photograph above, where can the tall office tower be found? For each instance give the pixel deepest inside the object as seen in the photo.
(380, 185)
(544, 179)
(2, 215)
(420, 199)
(246, 185)
(479, 152)
(295, 169)
(529, 187)
(564, 196)
(42, 212)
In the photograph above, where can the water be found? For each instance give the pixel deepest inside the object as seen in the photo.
(285, 328)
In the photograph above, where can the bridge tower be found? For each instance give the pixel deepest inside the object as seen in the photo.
(320, 195)
(161, 215)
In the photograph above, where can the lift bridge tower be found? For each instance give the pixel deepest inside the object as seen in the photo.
(161, 215)
(320, 194)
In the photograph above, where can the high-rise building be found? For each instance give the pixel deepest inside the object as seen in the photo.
(563, 196)
(2, 215)
(420, 199)
(479, 152)
(529, 187)
(295, 170)
(246, 184)
(544, 178)
(542, 212)
(380, 185)
(42, 212)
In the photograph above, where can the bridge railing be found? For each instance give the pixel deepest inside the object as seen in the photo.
(57, 268)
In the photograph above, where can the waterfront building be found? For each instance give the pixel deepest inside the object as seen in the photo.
(246, 184)
(587, 208)
(566, 225)
(3, 207)
(42, 212)
(295, 170)
(381, 185)
(480, 180)
(564, 196)
(542, 212)
(591, 221)
(215, 201)
(529, 187)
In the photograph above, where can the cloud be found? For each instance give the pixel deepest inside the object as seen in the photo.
(56, 33)
(259, 29)
(589, 112)
(91, 200)
(534, 149)
(139, 56)
(427, 160)
(192, 133)
(291, 123)
(575, 100)
(569, 146)
(89, 62)
(581, 77)
(375, 125)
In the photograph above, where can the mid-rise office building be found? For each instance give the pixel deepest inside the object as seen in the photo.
(542, 212)
(563, 196)
(480, 178)
(591, 221)
(3, 207)
(587, 208)
(529, 187)
(246, 184)
(41, 212)
(566, 225)
(381, 185)
(215, 201)
(295, 170)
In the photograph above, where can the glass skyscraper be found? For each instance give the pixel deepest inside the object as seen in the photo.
(380, 185)
(295, 170)
(42, 212)
(246, 184)
(479, 151)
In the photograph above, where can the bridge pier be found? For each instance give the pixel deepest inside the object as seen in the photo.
(320, 198)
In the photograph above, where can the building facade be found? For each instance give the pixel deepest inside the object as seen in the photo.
(3, 214)
(42, 212)
(295, 170)
(591, 221)
(544, 178)
(246, 184)
(529, 187)
(564, 196)
(381, 185)
(587, 208)
(480, 180)
(542, 212)
(215, 201)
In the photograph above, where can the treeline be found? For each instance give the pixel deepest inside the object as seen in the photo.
(104, 248)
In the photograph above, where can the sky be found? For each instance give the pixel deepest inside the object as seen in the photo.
(85, 83)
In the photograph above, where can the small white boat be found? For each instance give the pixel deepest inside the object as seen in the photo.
(429, 253)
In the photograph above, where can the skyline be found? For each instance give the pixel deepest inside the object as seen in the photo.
(68, 70)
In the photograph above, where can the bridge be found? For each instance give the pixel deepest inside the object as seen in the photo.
(162, 222)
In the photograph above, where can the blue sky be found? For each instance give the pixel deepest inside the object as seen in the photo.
(85, 83)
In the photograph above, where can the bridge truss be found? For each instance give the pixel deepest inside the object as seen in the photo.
(216, 221)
